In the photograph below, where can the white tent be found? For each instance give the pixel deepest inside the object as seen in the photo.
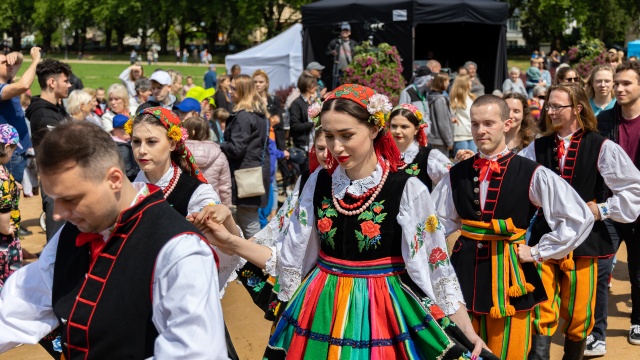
(280, 58)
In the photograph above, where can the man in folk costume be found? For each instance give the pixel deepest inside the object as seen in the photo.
(590, 163)
(491, 198)
(118, 285)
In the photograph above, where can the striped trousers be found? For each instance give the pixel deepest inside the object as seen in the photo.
(571, 296)
(509, 338)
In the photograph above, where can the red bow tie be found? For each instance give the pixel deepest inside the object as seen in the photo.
(95, 240)
(560, 149)
(487, 167)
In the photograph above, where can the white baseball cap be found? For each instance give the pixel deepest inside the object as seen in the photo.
(161, 77)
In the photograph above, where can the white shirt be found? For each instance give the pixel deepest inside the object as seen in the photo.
(619, 174)
(203, 195)
(186, 309)
(568, 216)
(437, 163)
(298, 251)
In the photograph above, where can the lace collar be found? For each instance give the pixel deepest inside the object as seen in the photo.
(342, 183)
(164, 180)
(410, 154)
(496, 156)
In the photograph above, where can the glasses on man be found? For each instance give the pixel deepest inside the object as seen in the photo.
(556, 108)
(572, 79)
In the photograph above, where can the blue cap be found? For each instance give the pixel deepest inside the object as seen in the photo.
(119, 120)
(189, 104)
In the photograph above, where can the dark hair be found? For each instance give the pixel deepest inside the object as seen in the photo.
(221, 114)
(421, 137)
(2, 152)
(154, 121)
(306, 82)
(100, 88)
(438, 83)
(49, 68)
(561, 73)
(197, 128)
(143, 84)
(78, 143)
(629, 65)
(494, 100)
(528, 129)
(383, 143)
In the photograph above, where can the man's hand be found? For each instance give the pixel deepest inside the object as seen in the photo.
(594, 209)
(524, 254)
(14, 58)
(286, 154)
(36, 55)
(216, 213)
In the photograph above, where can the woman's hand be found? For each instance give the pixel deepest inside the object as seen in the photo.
(477, 342)
(218, 236)
(217, 213)
(463, 155)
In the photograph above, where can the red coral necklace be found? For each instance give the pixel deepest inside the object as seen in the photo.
(172, 183)
(346, 209)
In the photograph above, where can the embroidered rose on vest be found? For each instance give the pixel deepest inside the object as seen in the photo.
(370, 234)
(437, 258)
(413, 170)
(324, 224)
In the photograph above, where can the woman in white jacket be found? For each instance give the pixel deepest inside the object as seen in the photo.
(461, 99)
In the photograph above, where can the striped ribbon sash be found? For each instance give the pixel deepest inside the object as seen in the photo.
(367, 269)
(505, 267)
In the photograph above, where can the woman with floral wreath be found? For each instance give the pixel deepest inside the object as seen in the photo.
(352, 262)
(158, 144)
(407, 126)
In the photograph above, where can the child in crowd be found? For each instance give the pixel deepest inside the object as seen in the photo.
(10, 249)
(123, 141)
(218, 123)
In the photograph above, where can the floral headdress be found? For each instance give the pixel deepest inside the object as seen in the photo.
(175, 132)
(422, 123)
(378, 105)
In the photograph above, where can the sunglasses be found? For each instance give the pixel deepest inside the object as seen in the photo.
(572, 79)
(541, 97)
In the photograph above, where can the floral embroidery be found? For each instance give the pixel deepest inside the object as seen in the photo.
(432, 223)
(418, 238)
(413, 170)
(437, 258)
(604, 210)
(253, 281)
(285, 213)
(325, 231)
(370, 234)
(302, 217)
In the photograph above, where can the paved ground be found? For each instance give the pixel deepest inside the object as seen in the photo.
(249, 330)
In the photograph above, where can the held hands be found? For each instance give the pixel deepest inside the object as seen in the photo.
(463, 155)
(454, 120)
(594, 210)
(216, 213)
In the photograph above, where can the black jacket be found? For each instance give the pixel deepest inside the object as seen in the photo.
(609, 127)
(130, 164)
(42, 114)
(274, 108)
(244, 139)
(300, 126)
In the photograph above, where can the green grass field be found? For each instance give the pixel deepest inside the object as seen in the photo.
(95, 75)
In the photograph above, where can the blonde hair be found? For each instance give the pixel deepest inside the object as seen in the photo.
(249, 100)
(586, 118)
(589, 88)
(121, 92)
(90, 91)
(77, 99)
(460, 91)
(174, 76)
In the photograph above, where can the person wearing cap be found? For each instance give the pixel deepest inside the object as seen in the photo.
(416, 94)
(342, 48)
(11, 251)
(123, 141)
(161, 90)
(315, 69)
(187, 108)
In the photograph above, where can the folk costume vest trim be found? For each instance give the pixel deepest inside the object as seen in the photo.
(491, 264)
(105, 308)
(581, 171)
(181, 194)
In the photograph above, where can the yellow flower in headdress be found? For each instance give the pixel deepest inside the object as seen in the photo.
(128, 127)
(418, 114)
(432, 223)
(175, 133)
(379, 119)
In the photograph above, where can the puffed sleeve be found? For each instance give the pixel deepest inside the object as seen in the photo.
(623, 179)
(424, 248)
(445, 208)
(437, 165)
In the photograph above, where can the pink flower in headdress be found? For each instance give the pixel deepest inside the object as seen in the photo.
(185, 134)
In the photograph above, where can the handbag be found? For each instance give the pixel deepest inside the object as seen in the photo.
(249, 181)
(297, 155)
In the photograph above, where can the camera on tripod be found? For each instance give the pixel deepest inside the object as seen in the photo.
(373, 26)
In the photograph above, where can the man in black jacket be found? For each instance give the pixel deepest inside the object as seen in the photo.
(45, 113)
(621, 124)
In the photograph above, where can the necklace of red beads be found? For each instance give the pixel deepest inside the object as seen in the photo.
(172, 183)
(348, 209)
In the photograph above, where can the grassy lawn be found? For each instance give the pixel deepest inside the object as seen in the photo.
(521, 62)
(103, 75)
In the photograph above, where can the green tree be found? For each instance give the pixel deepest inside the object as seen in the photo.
(15, 18)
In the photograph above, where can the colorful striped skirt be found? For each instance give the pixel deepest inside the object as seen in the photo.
(360, 310)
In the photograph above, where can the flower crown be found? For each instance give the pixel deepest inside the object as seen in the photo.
(378, 105)
(414, 110)
(175, 132)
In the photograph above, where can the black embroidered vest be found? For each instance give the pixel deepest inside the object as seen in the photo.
(507, 197)
(105, 311)
(181, 194)
(373, 234)
(418, 167)
(581, 171)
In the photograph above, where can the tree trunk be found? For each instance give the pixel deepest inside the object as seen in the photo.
(108, 34)
(120, 35)
(46, 41)
(16, 34)
(143, 39)
(164, 38)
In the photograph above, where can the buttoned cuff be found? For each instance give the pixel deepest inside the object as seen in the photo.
(535, 254)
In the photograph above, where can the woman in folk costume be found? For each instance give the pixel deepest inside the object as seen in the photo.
(408, 128)
(363, 264)
(158, 144)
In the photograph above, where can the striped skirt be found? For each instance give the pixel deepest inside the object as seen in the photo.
(360, 310)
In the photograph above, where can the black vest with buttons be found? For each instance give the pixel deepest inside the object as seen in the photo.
(581, 171)
(105, 311)
(507, 197)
